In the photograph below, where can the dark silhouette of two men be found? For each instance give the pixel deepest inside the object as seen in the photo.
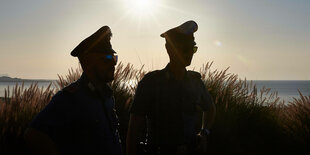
(81, 119)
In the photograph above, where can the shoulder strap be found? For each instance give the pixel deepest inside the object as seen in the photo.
(72, 88)
(194, 74)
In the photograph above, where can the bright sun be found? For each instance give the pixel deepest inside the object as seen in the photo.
(142, 5)
(140, 8)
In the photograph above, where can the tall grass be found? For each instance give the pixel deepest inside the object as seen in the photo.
(296, 122)
(73, 75)
(248, 121)
(16, 111)
(124, 86)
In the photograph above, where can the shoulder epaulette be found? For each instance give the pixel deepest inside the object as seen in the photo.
(194, 74)
(73, 87)
(151, 74)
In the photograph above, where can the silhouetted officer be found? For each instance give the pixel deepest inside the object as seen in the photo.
(168, 99)
(80, 119)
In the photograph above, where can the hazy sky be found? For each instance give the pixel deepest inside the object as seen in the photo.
(259, 40)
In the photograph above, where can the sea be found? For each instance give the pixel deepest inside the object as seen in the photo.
(9, 85)
(286, 90)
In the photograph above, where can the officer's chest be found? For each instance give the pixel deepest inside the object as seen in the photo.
(90, 112)
(183, 95)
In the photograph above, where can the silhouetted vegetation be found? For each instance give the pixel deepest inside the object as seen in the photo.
(248, 121)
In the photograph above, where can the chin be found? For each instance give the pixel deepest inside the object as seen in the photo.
(105, 78)
(187, 64)
(110, 78)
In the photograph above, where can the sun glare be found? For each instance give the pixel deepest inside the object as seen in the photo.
(217, 43)
(141, 7)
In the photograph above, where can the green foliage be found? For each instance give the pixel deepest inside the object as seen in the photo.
(247, 121)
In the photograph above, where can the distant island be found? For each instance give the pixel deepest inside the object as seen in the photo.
(9, 79)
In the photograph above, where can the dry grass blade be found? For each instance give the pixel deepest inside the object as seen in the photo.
(72, 76)
(246, 122)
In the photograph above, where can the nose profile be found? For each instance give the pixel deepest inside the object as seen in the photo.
(115, 59)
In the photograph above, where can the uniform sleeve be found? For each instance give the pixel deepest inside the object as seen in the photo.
(53, 117)
(206, 98)
(142, 98)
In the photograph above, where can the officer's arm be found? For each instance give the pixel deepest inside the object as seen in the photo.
(39, 143)
(207, 122)
(208, 117)
(136, 125)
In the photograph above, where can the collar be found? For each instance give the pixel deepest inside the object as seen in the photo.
(104, 90)
(170, 75)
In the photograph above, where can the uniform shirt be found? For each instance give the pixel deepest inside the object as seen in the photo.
(170, 106)
(81, 122)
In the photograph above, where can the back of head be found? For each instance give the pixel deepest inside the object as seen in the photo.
(180, 43)
(183, 34)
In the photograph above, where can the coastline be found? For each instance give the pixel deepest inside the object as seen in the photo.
(10, 79)
(24, 84)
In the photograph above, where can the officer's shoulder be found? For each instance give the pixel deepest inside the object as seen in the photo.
(152, 75)
(194, 74)
(71, 88)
